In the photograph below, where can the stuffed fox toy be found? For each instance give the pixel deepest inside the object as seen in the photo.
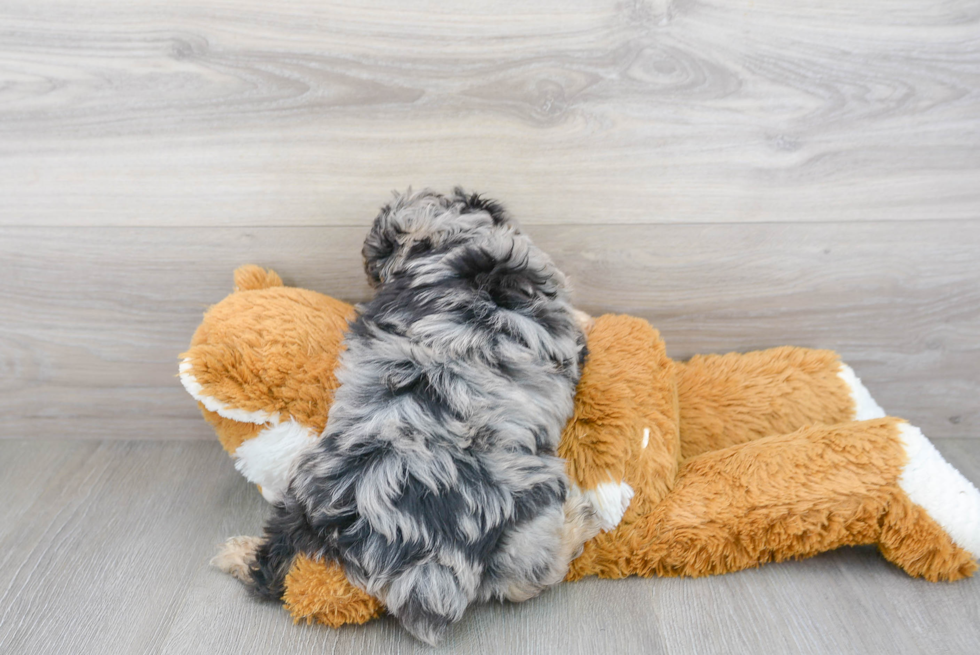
(716, 464)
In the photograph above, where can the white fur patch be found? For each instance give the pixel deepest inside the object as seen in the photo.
(646, 437)
(610, 500)
(933, 484)
(865, 406)
(212, 404)
(267, 459)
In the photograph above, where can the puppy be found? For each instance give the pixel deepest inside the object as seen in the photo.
(436, 482)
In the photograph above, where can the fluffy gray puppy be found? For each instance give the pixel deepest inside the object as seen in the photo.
(436, 483)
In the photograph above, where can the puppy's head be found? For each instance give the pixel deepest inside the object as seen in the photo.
(425, 222)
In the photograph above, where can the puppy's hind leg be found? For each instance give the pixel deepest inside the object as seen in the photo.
(538, 555)
(237, 556)
(263, 562)
(581, 524)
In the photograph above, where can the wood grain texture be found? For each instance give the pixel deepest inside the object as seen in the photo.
(743, 174)
(164, 113)
(94, 317)
(104, 549)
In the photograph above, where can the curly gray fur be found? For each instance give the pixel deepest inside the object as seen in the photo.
(436, 483)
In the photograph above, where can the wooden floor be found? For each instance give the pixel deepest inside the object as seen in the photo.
(104, 548)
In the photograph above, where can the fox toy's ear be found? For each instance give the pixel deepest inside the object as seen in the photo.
(251, 277)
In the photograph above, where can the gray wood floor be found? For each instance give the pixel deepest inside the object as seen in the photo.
(104, 548)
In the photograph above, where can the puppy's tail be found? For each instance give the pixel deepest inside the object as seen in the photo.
(426, 599)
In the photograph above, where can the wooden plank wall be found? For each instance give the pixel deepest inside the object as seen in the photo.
(743, 174)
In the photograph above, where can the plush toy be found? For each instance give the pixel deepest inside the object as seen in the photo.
(716, 464)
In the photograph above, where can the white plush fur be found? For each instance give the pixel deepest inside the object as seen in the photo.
(212, 404)
(267, 459)
(609, 500)
(865, 406)
(933, 484)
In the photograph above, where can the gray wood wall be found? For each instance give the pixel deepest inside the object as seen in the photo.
(743, 174)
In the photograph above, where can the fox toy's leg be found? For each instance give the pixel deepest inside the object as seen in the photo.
(792, 496)
(319, 591)
(315, 590)
(735, 398)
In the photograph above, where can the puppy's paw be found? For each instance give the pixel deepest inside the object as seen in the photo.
(585, 322)
(236, 556)
(581, 523)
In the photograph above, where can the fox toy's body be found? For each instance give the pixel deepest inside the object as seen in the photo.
(695, 468)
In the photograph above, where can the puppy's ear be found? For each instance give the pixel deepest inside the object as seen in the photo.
(474, 202)
(381, 243)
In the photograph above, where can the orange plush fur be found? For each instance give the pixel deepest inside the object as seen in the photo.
(734, 460)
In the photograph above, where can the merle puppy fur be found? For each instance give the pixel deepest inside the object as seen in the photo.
(436, 482)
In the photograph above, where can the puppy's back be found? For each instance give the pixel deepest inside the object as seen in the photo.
(437, 479)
